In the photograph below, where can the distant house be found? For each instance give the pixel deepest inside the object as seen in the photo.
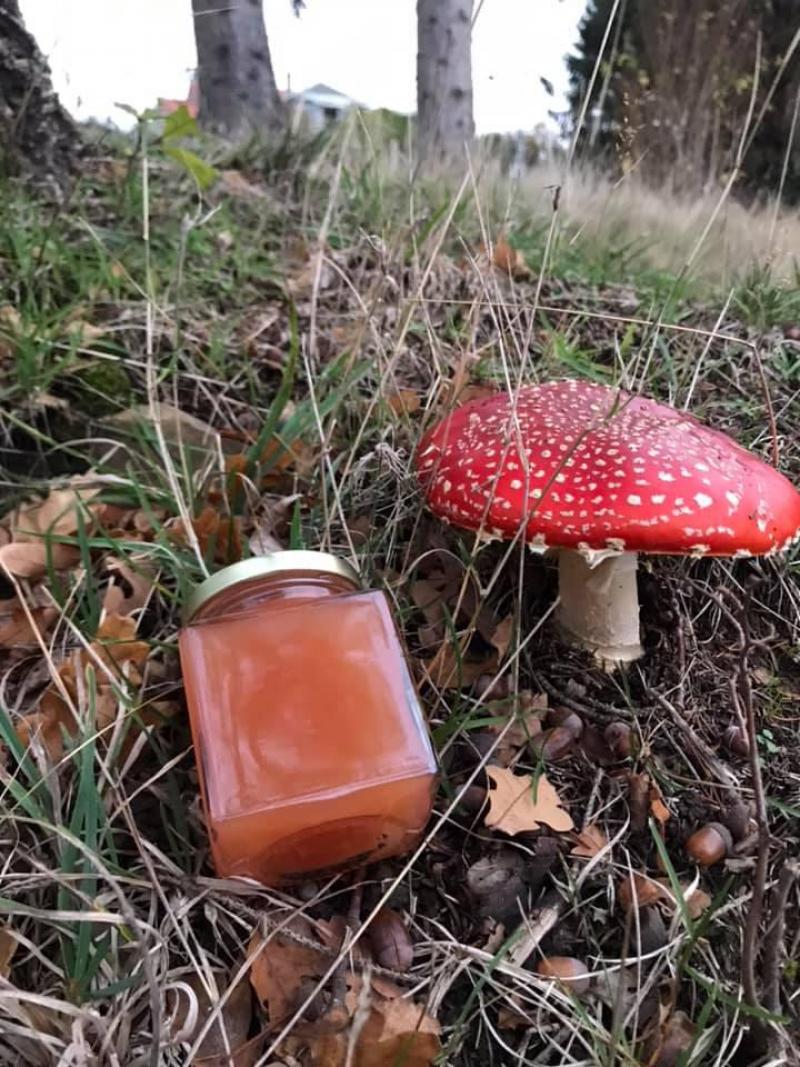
(319, 105)
(191, 103)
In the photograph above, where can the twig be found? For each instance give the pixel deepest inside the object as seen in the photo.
(773, 427)
(702, 752)
(534, 932)
(743, 696)
(593, 710)
(773, 942)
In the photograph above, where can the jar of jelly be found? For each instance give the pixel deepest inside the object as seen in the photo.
(311, 747)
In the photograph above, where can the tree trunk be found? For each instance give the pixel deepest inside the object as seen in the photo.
(238, 94)
(444, 78)
(37, 136)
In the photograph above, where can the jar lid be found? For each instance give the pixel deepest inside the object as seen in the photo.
(271, 563)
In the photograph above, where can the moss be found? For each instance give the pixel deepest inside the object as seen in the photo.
(99, 389)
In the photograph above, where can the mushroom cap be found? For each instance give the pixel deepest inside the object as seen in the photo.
(581, 465)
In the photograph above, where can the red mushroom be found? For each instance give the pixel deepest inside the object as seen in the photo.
(601, 475)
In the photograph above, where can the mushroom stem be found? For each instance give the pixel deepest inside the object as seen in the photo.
(599, 608)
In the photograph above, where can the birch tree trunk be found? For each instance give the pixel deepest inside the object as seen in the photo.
(238, 94)
(444, 79)
(37, 137)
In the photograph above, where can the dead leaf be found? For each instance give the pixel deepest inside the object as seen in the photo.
(639, 891)
(15, 623)
(8, 947)
(129, 589)
(449, 670)
(56, 515)
(218, 535)
(697, 902)
(677, 1035)
(404, 402)
(33, 559)
(390, 942)
(83, 334)
(508, 1019)
(116, 642)
(47, 725)
(510, 260)
(234, 183)
(518, 804)
(590, 841)
(398, 1031)
(233, 1022)
(501, 636)
(317, 272)
(280, 967)
(638, 800)
(658, 809)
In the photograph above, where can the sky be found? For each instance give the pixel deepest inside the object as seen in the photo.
(104, 52)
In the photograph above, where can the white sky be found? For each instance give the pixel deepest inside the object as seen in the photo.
(133, 51)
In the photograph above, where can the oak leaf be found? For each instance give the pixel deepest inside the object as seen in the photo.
(589, 842)
(510, 260)
(280, 968)
(518, 804)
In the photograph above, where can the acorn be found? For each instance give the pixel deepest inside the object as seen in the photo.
(710, 844)
(568, 720)
(567, 971)
(554, 744)
(619, 738)
(736, 740)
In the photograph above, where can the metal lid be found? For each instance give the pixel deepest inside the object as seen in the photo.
(272, 563)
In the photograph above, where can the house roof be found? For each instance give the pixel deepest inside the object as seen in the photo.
(324, 96)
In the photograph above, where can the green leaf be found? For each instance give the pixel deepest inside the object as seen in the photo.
(179, 123)
(203, 173)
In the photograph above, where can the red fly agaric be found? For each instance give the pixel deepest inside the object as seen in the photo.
(601, 475)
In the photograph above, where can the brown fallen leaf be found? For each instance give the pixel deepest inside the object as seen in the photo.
(8, 947)
(404, 401)
(234, 184)
(130, 587)
(280, 968)
(318, 267)
(638, 800)
(449, 670)
(501, 636)
(124, 655)
(398, 1031)
(508, 1019)
(47, 725)
(83, 334)
(116, 642)
(390, 942)
(518, 804)
(658, 809)
(510, 260)
(218, 535)
(589, 842)
(697, 902)
(636, 890)
(676, 1036)
(33, 559)
(20, 627)
(233, 1022)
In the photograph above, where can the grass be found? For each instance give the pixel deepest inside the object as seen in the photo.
(223, 315)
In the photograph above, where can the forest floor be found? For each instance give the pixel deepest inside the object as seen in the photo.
(187, 378)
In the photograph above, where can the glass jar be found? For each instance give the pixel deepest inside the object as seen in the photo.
(311, 747)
